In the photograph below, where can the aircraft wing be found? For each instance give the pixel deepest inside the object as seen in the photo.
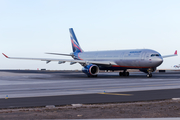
(175, 54)
(65, 60)
(60, 54)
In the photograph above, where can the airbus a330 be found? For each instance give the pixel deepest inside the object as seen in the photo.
(146, 60)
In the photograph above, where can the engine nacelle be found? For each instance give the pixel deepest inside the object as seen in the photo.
(91, 70)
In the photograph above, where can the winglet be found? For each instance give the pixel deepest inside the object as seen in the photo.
(5, 55)
(175, 52)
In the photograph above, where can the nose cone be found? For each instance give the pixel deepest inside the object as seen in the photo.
(158, 61)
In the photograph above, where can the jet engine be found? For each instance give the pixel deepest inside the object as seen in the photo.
(91, 70)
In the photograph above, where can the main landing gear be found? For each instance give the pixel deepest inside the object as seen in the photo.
(91, 76)
(124, 73)
(149, 75)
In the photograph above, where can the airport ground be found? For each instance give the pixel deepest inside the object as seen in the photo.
(149, 109)
(50, 95)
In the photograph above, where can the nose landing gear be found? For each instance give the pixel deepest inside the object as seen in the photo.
(149, 75)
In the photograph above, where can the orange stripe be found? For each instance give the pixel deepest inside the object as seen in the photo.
(79, 57)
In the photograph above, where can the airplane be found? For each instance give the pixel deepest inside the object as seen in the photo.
(177, 66)
(146, 60)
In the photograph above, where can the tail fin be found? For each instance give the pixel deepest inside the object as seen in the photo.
(75, 45)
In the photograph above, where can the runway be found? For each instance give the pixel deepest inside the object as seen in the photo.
(32, 88)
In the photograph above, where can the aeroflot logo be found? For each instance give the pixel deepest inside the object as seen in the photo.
(72, 38)
(135, 51)
(74, 43)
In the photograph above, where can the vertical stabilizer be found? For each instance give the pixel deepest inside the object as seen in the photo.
(75, 45)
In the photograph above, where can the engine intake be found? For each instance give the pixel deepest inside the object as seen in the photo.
(91, 70)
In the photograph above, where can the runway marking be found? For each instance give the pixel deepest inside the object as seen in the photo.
(113, 87)
(152, 85)
(171, 84)
(75, 89)
(95, 88)
(116, 94)
(134, 86)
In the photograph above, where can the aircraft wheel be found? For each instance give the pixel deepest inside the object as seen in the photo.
(149, 75)
(92, 76)
(123, 73)
(127, 73)
(95, 75)
(120, 74)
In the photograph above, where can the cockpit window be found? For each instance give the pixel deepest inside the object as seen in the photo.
(155, 55)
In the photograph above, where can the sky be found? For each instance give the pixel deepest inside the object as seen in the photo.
(29, 28)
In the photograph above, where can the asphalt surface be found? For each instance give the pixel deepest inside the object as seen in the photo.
(31, 89)
(90, 98)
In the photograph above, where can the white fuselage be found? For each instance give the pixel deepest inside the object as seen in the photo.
(137, 58)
